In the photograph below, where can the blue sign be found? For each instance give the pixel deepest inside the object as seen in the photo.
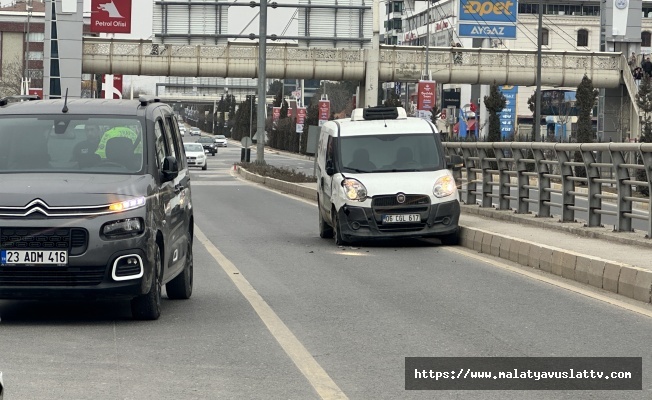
(492, 11)
(488, 19)
(508, 115)
(485, 31)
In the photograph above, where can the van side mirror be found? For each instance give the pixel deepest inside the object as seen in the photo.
(170, 168)
(330, 169)
(455, 163)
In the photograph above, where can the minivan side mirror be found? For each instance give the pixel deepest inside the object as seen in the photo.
(455, 163)
(170, 168)
(330, 169)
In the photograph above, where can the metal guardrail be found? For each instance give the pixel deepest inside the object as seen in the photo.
(610, 175)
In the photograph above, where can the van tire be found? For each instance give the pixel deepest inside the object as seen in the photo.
(337, 231)
(180, 288)
(452, 239)
(325, 230)
(148, 306)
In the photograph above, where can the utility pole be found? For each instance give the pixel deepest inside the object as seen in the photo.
(601, 91)
(537, 110)
(28, 8)
(251, 115)
(428, 42)
(262, 79)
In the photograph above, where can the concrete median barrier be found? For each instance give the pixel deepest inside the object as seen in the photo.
(624, 279)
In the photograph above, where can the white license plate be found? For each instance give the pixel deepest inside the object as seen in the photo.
(393, 218)
(32, 257)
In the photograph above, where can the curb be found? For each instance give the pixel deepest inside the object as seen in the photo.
(624, 279)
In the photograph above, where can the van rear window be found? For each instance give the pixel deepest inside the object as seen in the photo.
(390, 153)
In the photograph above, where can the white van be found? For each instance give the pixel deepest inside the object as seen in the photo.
(381, 174)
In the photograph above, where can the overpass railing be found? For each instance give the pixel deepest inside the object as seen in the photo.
(595, 178)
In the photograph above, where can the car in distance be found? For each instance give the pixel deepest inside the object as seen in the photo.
(195, 155)
(194, 131)
(182, 130)
(209, 145)
(84, 212)
(220, 140)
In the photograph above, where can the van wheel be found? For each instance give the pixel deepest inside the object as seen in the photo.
(325, 230)
(337, 231)
(452, 239)
(180, 288)
(148, 306)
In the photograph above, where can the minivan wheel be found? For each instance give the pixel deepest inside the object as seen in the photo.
(180, 288)
(337, 231)
(148, 306)
(325, 230)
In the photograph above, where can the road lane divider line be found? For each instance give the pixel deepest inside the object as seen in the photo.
(320, 380)
(555, 282)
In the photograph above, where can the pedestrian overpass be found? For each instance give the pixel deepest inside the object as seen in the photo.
(394, 64)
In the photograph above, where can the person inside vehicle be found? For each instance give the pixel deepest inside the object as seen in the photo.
(404, 158)
(84, 151)
(361, 161)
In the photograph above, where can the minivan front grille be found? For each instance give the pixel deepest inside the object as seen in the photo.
(75, 240)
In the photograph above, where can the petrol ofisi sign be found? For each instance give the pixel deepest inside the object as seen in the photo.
(110, 16)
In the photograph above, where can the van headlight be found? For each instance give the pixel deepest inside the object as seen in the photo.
(122, 228)
(444, 186)
(354, 190)
(127, 204)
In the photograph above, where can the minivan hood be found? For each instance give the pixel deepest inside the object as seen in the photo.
(59, 190)
(399, 182)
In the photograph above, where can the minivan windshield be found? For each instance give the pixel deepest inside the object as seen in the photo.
(389, 153)
(71, 143)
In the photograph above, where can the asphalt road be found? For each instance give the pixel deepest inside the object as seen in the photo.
(352, 316)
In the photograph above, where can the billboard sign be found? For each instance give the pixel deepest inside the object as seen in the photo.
(111, 87)
(426, 95)
(324, 111)
(301, 118)
(110, 16)
(489, 19)
(508, 115)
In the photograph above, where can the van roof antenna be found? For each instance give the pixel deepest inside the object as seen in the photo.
(65, 103)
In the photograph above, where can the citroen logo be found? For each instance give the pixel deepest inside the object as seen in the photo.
(400, 198)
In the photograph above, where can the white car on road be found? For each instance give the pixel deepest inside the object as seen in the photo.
(195, 155)
(194, 131)
(220, 140)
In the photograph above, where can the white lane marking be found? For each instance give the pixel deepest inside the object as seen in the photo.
(318, 378)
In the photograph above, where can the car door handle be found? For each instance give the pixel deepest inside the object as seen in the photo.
(178, 188)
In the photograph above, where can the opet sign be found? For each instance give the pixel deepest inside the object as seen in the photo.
(494, 19)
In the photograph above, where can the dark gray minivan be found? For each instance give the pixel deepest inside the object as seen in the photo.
(96, 202)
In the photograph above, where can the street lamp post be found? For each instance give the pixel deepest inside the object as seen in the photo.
(262, 80)
(537, 110)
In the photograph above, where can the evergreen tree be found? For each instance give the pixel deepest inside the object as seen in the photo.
(532, 106)
(495, 103)
(644, 103)
(585, 98)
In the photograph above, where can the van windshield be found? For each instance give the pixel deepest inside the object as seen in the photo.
(71, 143)
(389, 153)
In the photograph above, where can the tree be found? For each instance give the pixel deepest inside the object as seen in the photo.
(340, 95)
(276, 88)
(495, 103)
(393, 100)
(644, 103)
(12, 75)
(584, 101)
(532, 106)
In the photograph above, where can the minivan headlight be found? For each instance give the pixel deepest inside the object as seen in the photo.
(354, 190)
(444, 186)
(127, 204)
(125, 227)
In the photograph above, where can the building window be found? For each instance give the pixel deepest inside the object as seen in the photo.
(398, 6)
(582, 38)
(646, 39)
(36, 37)
(35, 55)
(545, 37)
